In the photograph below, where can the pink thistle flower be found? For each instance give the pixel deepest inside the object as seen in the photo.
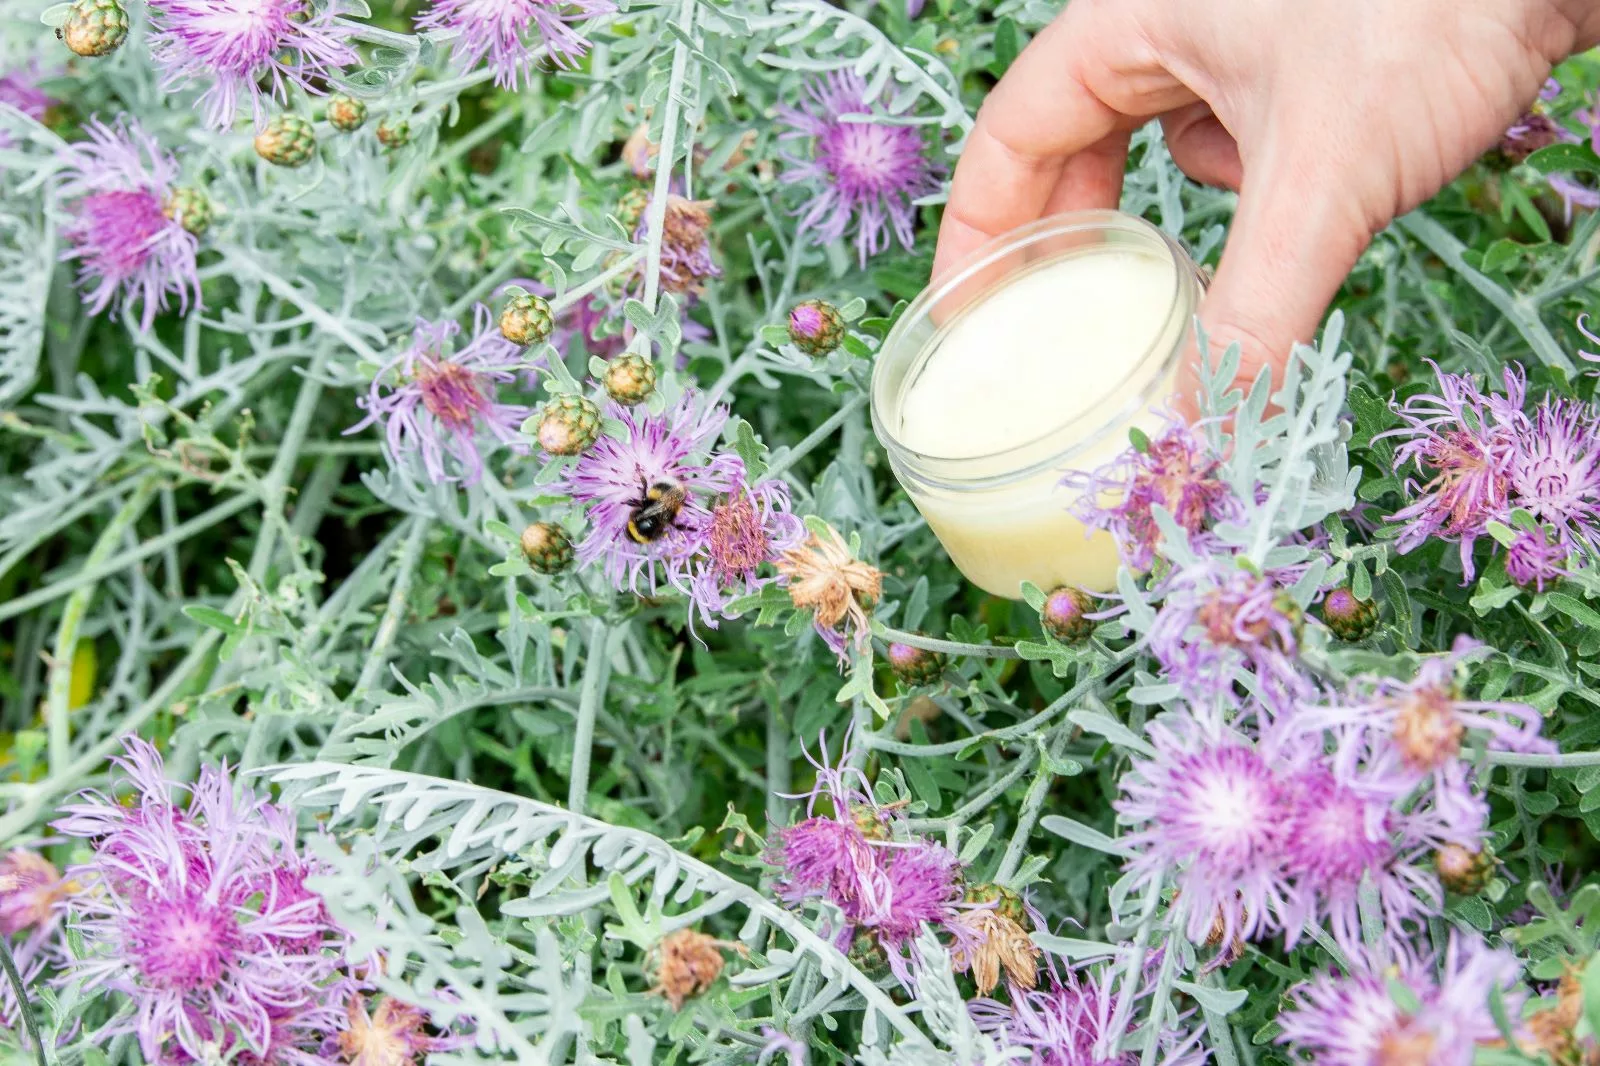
(182, 916)
(258, 48)
(433, 400)
(1335, 832)
(19, 89)
(499, 30)
(1176, 472)
(1554, 472)
(1069, 1021)
(923, 886)
(31, 891)
(1466, 441)
(1217, 617)
(1535, 560)
(612, 477)
(749, 528)
(1210, 811)
(686, 259)
(1355, 1019)
(866, 175)
(1428, 718)
(116, 185)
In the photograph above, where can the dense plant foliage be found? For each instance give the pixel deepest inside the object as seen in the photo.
(455, 608)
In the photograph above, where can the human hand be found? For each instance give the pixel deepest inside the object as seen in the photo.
(1329, 119)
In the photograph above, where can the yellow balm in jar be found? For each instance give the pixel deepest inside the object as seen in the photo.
(1029, 361)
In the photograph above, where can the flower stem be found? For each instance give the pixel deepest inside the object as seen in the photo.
(1558, 761)
(406, 570)
(948, 647)
(669, 145)
(57, 707)
(809, 442)
(1442, 243)
(593, 692)
(24, 1005)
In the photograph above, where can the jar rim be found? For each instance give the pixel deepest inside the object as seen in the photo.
(1103, 424)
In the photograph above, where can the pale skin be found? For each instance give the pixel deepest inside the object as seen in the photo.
(1329, 117)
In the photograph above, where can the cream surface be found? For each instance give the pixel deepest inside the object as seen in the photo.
(1072, 337)
(1037, 353)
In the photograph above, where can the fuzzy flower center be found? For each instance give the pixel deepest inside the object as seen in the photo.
(451, 393)
(1226, 805)
(869, 159)
(1467, 481)
(738, 539)
(117, 229)
(185, 943)
(1326, 838)
(241, 34)
(1426, 729)
(1405, 1045)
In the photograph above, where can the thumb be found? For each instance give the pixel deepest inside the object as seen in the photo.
(1293, 240)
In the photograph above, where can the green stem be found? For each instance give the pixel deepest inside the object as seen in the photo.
(24, 1005)
(1160, 1003)
(59, 691)
(1565, 760)
(593, 692)
(394, 612)
(1032, 803)
(782, 463)
(778, 767)
(572, 296)
(669, 145)
(1442, 243)
(947, 647)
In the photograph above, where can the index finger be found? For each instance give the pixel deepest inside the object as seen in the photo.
(1088, 76)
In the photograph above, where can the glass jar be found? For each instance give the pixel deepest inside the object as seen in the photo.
(1033, 359)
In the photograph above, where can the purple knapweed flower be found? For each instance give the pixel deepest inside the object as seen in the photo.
(1355, 1019)
(1068, 1022)
(19, 89)
(612, 477)
(866, 174)
(1208, 810)
(1534, 559)
(31, 891)
(686, 259)
(434, 401)
(749, 528)
(1335, 832)
(514, 34)
(1465, 440)
(1554, 473)
(183, 916)
(258, 48)
(116, 186)
(1217, 617)
(1175, 471)
(1427, 718)
(831, 857)
(923, 880)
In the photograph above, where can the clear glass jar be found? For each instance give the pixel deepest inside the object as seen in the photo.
(1032, 359)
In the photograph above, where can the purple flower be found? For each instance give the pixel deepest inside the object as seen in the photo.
(31, 897)
(1177, 472)
(116, 185)
(19, 89)
(183, 912)
(780, 1043)
(1335, 832)
(1466, 441)
(499, 30)
(1536, 560)
(866, 174)
(923, 885)
(611, 479)
(831, 857)
(1068, 1023)
(1427, 718)
(1209, 810)
(437, 400)
(1218, 616)
(1554, 472)
(749, 528)
(1356, 1019)
(257, 47)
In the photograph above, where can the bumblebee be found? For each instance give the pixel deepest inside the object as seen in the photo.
(656, 509)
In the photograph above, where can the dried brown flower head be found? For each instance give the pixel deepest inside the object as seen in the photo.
(688, 963)
(822, 576)
(988, 942)
(394, 1034)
